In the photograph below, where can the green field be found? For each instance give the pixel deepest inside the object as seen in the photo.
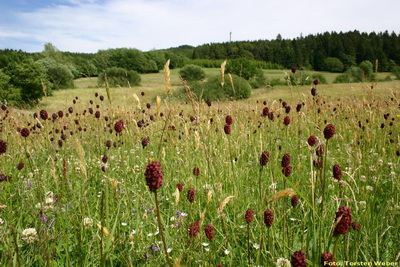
(74, 191)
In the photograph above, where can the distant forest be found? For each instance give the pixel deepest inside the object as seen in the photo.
(24, 75)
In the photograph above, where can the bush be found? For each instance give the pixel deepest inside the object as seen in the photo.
(342, 78)
(192, 73)
(31, 78)
(259, 80)
(333, 64)
(119, 77)
(59, 74)
(321, 78)
(355, 73)
(242, 67)
(367, 68)
(8, 93)
(213, 89)
(396, 72)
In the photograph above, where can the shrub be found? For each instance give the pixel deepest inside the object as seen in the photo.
(367, 68)
(242, 67)
(355, 73)
(212, 88)
(333, 64)
(342, 78)
(259, 80)
(396, 72)
(119, 77)
(192, 73)
(321, 78)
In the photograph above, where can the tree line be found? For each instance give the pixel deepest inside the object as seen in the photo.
(26, 77)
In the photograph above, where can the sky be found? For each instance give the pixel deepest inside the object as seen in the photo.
(91, 25)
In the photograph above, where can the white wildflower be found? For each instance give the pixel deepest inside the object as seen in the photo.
(272, 186)
(29, 235)
(227, 251)
(256, 246)
(281, 262)
(369, 188)
(87, 223)
(1, 221)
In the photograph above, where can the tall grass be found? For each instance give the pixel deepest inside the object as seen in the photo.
(88, 211)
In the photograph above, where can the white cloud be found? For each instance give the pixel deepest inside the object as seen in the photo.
(89, 25)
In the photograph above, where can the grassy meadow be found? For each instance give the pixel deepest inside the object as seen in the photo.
(74, 191)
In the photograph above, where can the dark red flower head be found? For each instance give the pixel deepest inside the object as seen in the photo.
(145, 142)
(209, 231)
(44, 115)
(295, 200)
(4, 107)
(25, 132)
(356, 226)
(268, 217)
(342, 220)
(286, 160)
(316, 82)
(119, 126)
(299, 259)
(228, 119)
(208, 101)
(337, 172)
(265, 112)
(194, 229)
(286, 120)
(294, 69)
(249, 215)
(312, 140)
(180, 187)
(298, 107)
(327, 259)
(287, 171)
(20, 166)
(3, 146)
(227, 129)
(329, 131)
(196, 171)
(191, 195)
(154, 176)
(264, 158)
(313, 91)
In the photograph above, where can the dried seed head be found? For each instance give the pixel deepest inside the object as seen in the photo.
(154, 176)
(249, 215)
(268, 217)
(299, 259)
(320, 150)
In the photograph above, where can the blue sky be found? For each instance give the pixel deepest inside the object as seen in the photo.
(92, 25)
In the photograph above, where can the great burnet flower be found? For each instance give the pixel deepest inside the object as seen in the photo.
(264, 159)
(312, 140)
(329, 131)
(228, 119)
(286, 160)
(337, 172)
(342, 221)
(209, 231)
(194, 229)
(119, 126)
(3, 147)
(299, 259)
(327, 259)
(249, 216)
(295, 201)
(191, 195)
(268, 217)
(154, 176)
(44, 115)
